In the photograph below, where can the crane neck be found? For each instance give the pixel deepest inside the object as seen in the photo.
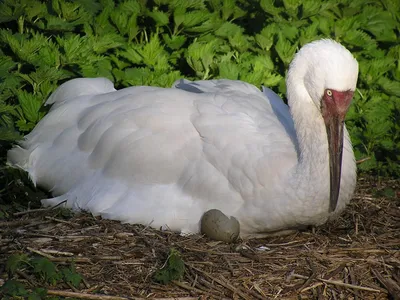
(311, 136)
(313, 155)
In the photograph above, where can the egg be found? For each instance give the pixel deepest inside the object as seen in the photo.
(217, 226)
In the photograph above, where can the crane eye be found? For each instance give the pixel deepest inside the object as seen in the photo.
(329, 93)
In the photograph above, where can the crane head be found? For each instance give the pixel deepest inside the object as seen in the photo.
(334, 106)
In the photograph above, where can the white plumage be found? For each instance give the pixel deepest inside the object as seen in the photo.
(163, 157)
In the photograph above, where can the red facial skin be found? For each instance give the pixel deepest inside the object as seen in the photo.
(334, 106)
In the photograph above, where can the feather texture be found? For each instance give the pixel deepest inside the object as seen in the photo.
(164, 156)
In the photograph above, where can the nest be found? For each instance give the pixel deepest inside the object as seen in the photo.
(354, 257)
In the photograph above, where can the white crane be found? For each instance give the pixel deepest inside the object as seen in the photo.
(163, 157)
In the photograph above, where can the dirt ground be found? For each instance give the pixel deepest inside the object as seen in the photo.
(354, 257)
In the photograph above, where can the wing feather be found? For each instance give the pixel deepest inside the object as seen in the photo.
(153, 155)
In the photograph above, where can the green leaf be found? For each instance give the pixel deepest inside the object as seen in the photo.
(24, 126)
(46, 269)
(23, 47)
(285, 49)
(231, 11)
(389, 86)
(9, 134)
(161, 18)
(310, 8)
(133, 76)
(71, 46)
(175, 41)
(70, 276)
(11, 10)
(272, 79)
(57, 24)
(154, 55)
(200, 57)
(38, 294)
(194, 18)
(229, 70)
(289, 31)
(101, 68)
(291, 6)
(240, 42)
(6, 63)
(266, 37)
(30, 105)
(13, 288)
(269, 7)
(210, 24)
(174, 268)
(16, 261)
(193, 4)
(106, 42)
(145, 76)
(228, 29)
(131, 55)
(378, 22)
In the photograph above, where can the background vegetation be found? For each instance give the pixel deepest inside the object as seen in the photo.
(139, 42)
(43, 43)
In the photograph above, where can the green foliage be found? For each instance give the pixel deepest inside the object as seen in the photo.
(135, 42)
(16, 261)
(13, 289)
(44, 271)
(173, 269)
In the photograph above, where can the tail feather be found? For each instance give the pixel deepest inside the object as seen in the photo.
(18, 157)
(216, 86)
(21, 158)
(80, 87)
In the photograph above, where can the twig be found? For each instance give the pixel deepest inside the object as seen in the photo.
(72, 287)
(249, 254)
(56, 252)
(223, 283)
(105, 297)
(29, 211)
(285, 244)
(345, 250)
(258, 289)
(75, 238)
(84, 295)
(229, 266)
(189, 288)
(107, 257)
(210, 251)
(71, 259)
(310, 278)
(363, 159)
(21, 213)
(353, 281)
(16, 223)
(27, 277)
(335, 271)
(40, 253)
(61, 221)
(339, 283)
(202, 282)
(392, 287)
(36, 224)
(140, 235)
(260, 295)
(311, 287)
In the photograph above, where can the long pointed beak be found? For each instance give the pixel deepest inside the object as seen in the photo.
(334, 108)
(334, 130)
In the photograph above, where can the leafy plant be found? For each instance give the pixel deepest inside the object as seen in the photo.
(133, 42)
(44, 271)
(173, 269)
